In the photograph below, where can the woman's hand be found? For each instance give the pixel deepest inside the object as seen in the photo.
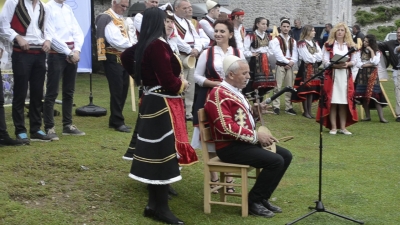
(186, 84)
(341, 65)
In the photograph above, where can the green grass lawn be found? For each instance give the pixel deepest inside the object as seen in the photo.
(44, 183)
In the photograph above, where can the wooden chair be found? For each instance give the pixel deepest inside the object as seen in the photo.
(216, 165)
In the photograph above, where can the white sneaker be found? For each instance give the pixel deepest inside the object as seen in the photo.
(333, 132)
(344, 131)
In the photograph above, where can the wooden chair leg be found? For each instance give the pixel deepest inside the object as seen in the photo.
(222, 191)
(245, 200)
(207, 191)
(388, 100)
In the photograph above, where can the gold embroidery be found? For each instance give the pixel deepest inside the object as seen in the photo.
(240, 118)
(147, 116)
(146, 160)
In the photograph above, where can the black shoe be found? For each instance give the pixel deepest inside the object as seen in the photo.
(291, 112)
(165, 219)
(269, 206)
(276, 111)
(257, 209)
(171, 191)
(40, 136)
(5, 140)
(123, 128)
(398, 119)
(148, 212)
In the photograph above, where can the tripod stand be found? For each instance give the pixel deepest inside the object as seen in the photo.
(319, 207)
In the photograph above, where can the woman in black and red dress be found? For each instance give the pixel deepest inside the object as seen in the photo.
(162, 141)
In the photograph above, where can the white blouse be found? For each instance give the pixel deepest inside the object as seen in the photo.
(219, 56)
(248, 50)
(306, 56)
(336, 50)
(374, 60)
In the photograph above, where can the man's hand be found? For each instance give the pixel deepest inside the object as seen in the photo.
(266, 139)
(22, 42)
(289, 66)
(194, 52)
(46, 46)
(76, 57)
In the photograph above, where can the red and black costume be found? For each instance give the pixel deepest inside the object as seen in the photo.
(233, 130)
(162, 140)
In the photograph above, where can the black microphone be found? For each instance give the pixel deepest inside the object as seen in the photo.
(351, 50)
(275, 96)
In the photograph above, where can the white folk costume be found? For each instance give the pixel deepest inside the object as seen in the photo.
(23, 18)
(284, 50)
(67, 38)
(209, 67)
(189, 38)
(310, 55)
(261, 74)
(112, 39)
(367, 80)
(240, 34)
(207, 24)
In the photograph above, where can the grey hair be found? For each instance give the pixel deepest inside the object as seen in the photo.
(235, 66)
(116, 1)
(178, 2)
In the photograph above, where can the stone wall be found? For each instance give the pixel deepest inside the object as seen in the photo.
(316, 12)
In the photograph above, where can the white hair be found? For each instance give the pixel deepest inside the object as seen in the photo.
(116, 1)
(235, 66)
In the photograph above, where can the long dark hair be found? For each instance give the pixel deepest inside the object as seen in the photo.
(372, 42)
(257, 20)
(229, 24)
(151, 29)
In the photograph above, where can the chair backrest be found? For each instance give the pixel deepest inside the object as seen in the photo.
(205, 133)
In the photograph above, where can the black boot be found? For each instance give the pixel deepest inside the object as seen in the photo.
(162, 211)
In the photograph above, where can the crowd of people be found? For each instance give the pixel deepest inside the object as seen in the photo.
(233, 68)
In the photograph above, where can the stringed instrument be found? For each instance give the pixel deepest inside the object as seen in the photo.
(264, 129)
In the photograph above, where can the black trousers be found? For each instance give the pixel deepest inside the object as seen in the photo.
(3, 125)
(273, 166)
(118, 83)
(58, 68)
(28, 68)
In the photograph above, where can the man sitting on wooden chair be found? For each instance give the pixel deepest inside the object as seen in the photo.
(236, 140)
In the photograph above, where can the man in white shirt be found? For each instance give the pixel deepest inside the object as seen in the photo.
(284, 48)
(137, 21)
(112, 40)
(207, 23)
(23, 24)
(62, 61)
(205, 40)
(191, 45)
(237, 17)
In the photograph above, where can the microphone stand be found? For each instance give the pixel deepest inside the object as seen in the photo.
(319, 207)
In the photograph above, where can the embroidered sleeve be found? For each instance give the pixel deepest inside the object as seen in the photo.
(229, 117)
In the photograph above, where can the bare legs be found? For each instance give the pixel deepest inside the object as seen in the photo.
(340, 109)
(214, 176)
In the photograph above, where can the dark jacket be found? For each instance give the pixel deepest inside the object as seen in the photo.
(390, 46)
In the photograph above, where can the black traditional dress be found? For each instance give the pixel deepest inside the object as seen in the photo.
(162, 140)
